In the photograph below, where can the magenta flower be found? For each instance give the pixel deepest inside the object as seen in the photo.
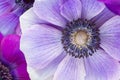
(113, 5)
(71, 40)
(10, 10)
(12, 61)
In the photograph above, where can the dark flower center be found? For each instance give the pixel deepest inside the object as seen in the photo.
(26, 4)
(5, 73)
(80, 38)
(28, 1)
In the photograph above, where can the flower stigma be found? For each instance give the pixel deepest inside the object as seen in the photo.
(80, 38)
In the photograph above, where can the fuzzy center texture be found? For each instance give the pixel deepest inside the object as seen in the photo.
(5, 73)
(25, 4)
(80, 38)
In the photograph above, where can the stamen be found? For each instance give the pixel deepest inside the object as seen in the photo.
(25, 4)
(80, 38)
(28, 1)
(5, 73)
(17, 1)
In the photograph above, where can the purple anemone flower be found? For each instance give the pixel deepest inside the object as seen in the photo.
(71, 40)
(10, 11)
(113, 5)
(12, 62)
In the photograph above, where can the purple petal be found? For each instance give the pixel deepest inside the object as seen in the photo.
(113, 5)
(8, 23)
(41, 45)
(14, 57)
(110, 37)
(1, 37)
(71, 9)
(18, 30)
(49, 11)
(114, 8)
(104, 16)
(5, 7)
(61, 2)
(70, 69)
(49, 70)
(91, 8)
(18, 12)
(101, 66)
(21, 72)
(105, 1)
(11, 55)
(29, 18)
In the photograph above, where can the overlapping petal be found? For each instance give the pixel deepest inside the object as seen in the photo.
(91, 8)
(71, 9)
(48, 71)
(41, 45)
(110, 37)
(21, 72)
(101, 66)
(28, 19)
(104, 16)
(113, 5)
(49, 11)
(11, 43)
(8, 23)
(70, 69)
(13, 57)
(5, 7)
